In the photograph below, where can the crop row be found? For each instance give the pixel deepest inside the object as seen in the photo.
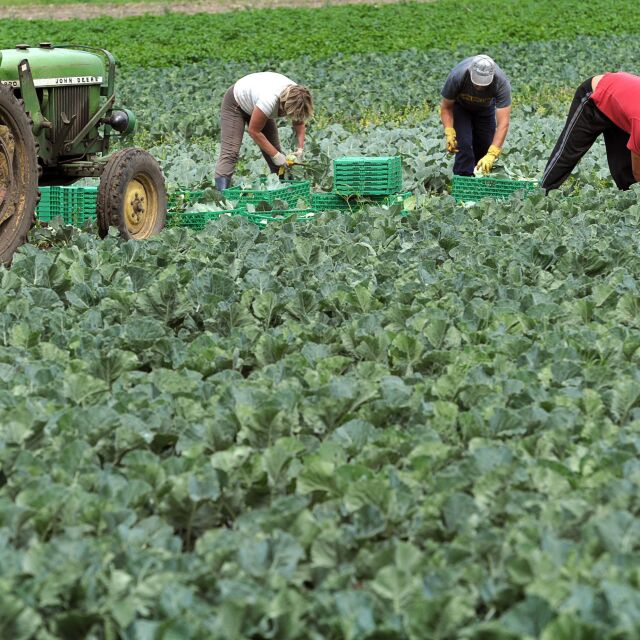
(362, 109)
(321, 429)
(185, 98)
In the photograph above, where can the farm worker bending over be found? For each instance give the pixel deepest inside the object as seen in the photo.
(475, 111)
(256, 100)
(607, 104)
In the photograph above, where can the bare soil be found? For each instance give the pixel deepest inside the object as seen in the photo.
(117, 10)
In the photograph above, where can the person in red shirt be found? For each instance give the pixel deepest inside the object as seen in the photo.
(607, 104)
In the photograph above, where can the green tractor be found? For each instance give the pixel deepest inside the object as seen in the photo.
(57, 117)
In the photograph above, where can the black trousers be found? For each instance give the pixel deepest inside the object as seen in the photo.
(585, 123)
(475, 131)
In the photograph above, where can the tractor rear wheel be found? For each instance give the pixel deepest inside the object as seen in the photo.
(18, 174)
(132, 195)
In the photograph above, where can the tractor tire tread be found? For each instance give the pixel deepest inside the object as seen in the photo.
(27, 219)
(113, 182)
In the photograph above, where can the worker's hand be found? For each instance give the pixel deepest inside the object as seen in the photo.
(485, 164)
(280, 160)
(298, 153)
(452, 141)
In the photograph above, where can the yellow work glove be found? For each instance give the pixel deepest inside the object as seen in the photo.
(485, 164)
(452, 142)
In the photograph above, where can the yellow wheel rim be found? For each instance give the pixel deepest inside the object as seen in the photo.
(141, 207)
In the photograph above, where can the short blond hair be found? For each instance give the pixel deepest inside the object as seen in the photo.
(297, 103)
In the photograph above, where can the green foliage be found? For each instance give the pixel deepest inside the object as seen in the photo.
(377, 424)
(363, 422)
(399, 115)
(265, 35)
(355, 89)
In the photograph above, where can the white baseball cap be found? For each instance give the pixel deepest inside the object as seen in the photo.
(482, 70)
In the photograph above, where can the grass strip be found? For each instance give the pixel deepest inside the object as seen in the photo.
(280, 34)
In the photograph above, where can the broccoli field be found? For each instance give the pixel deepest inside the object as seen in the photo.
(383, 424)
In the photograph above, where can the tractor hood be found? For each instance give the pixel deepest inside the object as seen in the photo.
(52, 67)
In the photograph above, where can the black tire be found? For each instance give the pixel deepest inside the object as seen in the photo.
(18, 174)
(132, 195)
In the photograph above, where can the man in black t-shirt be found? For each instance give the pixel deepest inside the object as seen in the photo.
(475, 112)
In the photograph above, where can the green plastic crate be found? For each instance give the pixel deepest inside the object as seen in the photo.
(178, 199)
(388, 200)
(80, 204)
(290, 192)
(50, 205)
(49, 195)
(333, 202)
(470, 189)
(300, 190)
(349, 186)
(399, 198)
(78, 218)
(52, 213)
(263, 218)
(367, 176)
(385, 163)
(72, 204)
(196, 219)
(75, 205)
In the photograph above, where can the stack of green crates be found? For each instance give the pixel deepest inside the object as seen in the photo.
(471, 189)
(362, 181)
(50, 205)
(290, 191)
(80, 203)
(73, 205)
(367, 176)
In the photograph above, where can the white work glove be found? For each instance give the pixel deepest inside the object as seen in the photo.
(279, 159)
(298, 153)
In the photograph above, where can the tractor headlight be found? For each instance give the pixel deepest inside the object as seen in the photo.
(122, 120)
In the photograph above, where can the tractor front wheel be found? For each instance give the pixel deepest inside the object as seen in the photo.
(18, 174)
(132, 195)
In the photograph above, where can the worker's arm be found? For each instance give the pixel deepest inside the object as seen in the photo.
(502, 126)
(256, 125)
(446, 115)
(299, 130)
(635, 166)
(485, 164)
(446, 112)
